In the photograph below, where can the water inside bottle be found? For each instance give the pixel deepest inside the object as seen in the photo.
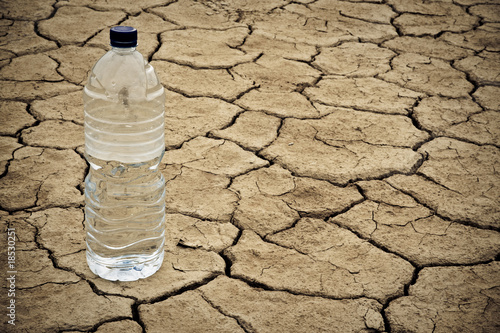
(124, 218)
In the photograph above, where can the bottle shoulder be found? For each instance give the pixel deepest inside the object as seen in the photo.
(113, 62)
(119, 73)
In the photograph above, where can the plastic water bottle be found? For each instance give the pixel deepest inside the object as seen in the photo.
(124, 106)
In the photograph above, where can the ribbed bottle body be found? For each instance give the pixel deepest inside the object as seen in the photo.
(124, 189)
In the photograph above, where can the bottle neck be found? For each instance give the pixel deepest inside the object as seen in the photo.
(123, 50)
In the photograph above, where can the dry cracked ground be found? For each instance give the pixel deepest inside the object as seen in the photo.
(331, 166)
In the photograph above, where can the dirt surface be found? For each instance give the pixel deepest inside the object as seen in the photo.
(331, 166)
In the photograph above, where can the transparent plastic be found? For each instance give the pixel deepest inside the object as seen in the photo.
(124, 189)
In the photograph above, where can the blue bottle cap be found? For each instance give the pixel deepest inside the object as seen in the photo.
(122, 36)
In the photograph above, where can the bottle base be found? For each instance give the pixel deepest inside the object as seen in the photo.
(123, 268)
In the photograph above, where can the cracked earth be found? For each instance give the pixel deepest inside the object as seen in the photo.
(331, 166)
